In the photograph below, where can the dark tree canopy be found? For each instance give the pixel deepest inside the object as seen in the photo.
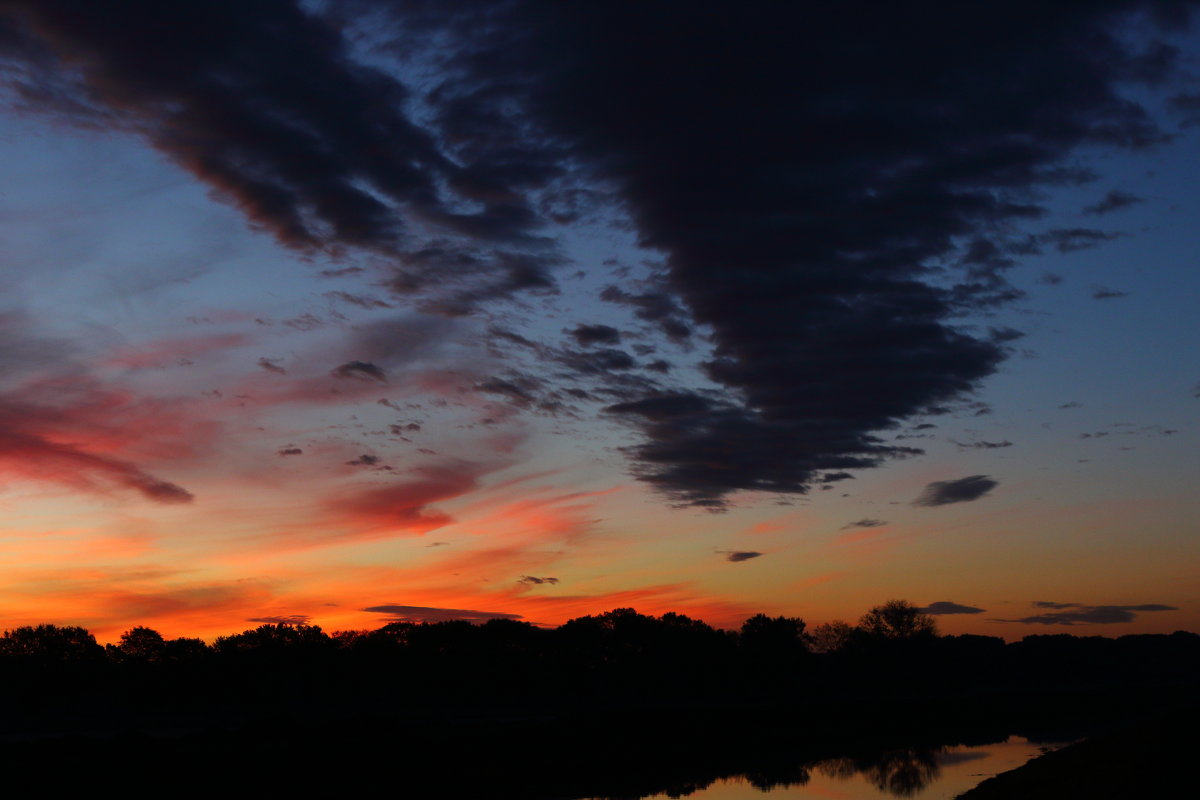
(897, 620)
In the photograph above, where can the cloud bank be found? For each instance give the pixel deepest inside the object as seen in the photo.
(830, 201)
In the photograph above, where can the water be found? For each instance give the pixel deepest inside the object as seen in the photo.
(923, 774)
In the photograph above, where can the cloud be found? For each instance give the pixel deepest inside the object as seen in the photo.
(1108, 294)
(362, 370)
(656, 306)
(864, 523)
(739, 555)
(361, 301)
(403, 507)
(961, 490)
(984, 445)
(805, 263)
(1113, 201)
(158, 354)
(398, 613)
(271, 365)
(208, 86)
(291, 451)
(1079, 614)
(337, 166)
(286, 619)
(947, 607)
(72, 430)
(800, 172)
(588, 335)
(1069, 240)
(532, 581)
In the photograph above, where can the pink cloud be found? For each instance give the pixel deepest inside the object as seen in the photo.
(169, 351)
(71, 431)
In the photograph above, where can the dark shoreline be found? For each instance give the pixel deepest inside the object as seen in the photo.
(1145, 758)
(628, 753)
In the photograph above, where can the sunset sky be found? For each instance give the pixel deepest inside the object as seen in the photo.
(359, 311)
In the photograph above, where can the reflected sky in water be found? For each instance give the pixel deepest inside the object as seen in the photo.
(923, 773)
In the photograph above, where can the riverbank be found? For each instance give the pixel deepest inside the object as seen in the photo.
(1149, 758)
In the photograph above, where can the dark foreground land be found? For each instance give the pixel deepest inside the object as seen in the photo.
(620, 705)
(1150, 758)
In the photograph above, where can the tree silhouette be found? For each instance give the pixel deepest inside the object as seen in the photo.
(141, 644)
(830, 637)
(51, 643)
(897, 620)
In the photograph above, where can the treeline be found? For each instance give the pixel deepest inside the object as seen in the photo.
(620, 659)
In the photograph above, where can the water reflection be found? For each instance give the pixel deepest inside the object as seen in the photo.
(901, 773)
(911, 772)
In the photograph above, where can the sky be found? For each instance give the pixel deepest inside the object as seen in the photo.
(346, 313)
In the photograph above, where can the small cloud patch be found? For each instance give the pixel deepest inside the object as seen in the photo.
(1079, 614)
(359, 370)
(735, 556)
(284, 619)
(530, 580)
(947, 607)
(962, 490)
(864, 523)
(399, 613)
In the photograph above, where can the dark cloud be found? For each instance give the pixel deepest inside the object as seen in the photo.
(361, 370)
(365, 460)
(588, 335)
(265, 103)
(829, 199)
(598, 361)
(948, 607)
(362, 301)
(658, 307)
(398, 613)
(520, 390)
(271, 365)
(739, 555)
(305, 322)
(800, 169)
(1108, 294)
(286, 619)
(1187, 105)
(984, 445)
(532, 581)
(1079, 614)
(940, 493)
(1069, 240)
(214, 86)
(1072, 404)
(342, 272)
(1113, 201)
(864, 523)
(291, 451)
